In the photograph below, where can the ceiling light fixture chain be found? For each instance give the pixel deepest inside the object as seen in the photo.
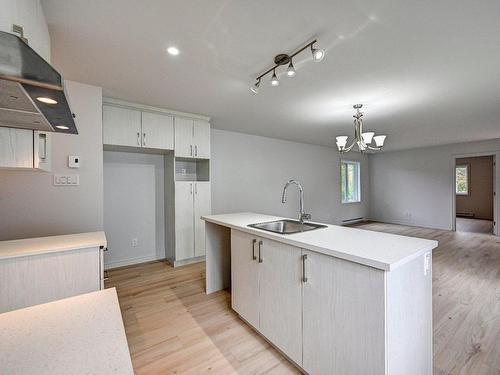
(284, 59)
(361, 139)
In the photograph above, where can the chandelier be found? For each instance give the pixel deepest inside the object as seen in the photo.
(362, 140)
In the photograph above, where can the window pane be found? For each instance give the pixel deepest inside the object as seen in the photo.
(349, 175)
(461, 179)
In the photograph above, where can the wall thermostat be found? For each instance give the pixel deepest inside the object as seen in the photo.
(73, 161)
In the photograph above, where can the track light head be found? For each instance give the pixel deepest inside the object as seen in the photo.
(290, 72)
(255, 87)
(317, 54)
(274, 79)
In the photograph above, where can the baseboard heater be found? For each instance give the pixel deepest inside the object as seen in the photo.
(353, 221)
(465, 214)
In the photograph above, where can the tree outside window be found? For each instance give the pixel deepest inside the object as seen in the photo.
(350, 181)
(462, 179)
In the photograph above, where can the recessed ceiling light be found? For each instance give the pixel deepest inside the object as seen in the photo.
(174, 51)
(46, 100)
(62, 127)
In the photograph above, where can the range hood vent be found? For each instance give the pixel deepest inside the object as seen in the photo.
(24, 77)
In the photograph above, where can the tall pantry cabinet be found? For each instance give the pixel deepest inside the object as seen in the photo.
(184, 141)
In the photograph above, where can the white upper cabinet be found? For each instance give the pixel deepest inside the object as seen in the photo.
(184, 137)
(157, 131)
(201, 139)
(121, 126)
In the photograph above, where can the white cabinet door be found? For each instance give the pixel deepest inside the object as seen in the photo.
(280, 300)
(202, 206)
(121, 126)
(201, 139)
(245, 276)
(184, 137)
(16, 148)
(184, 223)
(157, 131)
(343, 317)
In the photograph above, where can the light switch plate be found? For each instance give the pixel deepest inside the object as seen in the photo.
(66, 180)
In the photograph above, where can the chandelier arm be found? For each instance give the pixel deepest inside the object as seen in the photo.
(347, 149)
(378, 148)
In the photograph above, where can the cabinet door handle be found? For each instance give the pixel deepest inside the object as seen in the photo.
(144, 139)
(191, 185)
(196, 150)
(261, 260)
(254, 241)
(304, 274)
(196, 189)
(191, 150)
(138, 138)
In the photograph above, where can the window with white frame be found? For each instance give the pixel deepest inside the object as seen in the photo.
(350, 181)
(462, 179)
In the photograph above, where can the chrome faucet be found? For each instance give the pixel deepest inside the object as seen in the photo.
(302, 215)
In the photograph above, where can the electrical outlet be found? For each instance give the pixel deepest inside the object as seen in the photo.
(134, 242)
(66, 180)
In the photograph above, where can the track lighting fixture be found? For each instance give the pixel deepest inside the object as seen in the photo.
(284, 59)
(274, 79)
(290, 72)
(255, 88)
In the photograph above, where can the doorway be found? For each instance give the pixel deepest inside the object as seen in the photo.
(474, 194)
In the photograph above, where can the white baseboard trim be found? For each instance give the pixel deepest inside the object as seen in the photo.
(411, 223)
(130, 261)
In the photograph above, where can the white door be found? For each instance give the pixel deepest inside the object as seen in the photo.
(202, 206)
(343, 317)
(121, 126)
(245, 276)
(184, 137)
(16, 148)
(280, 301)
(184, 228)
(201, 139)
(157, 131)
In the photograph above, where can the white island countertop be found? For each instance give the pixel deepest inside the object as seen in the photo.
(77, 335)
(375, 249)
(51, 244)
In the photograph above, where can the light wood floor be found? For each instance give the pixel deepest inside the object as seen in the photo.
(474, 225)
(174, 328)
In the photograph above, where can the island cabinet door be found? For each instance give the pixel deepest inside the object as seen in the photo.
(245, 276)
(343, 312)
(280, 279)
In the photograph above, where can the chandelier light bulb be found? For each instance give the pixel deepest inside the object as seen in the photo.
(274, 79)
(290, 72)
(367, 137)
(379, 140)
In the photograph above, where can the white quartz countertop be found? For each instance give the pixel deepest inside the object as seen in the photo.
(43, 245)
(375, 249)
(77, 335)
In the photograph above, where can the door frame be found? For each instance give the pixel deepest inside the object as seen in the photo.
(496, 185)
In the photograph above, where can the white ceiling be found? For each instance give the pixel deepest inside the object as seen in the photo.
(427, 71)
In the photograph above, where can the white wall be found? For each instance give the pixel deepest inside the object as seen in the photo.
(415, 186)
(30, 206)
(29, 14)
(248, 174)
(133, 207)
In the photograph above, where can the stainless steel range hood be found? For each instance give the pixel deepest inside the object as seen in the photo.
(31, 91)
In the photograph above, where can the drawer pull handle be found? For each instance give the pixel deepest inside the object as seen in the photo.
(261, 260)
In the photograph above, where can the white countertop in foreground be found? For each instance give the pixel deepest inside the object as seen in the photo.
(77, 335)
(43, 245)
(375, 249)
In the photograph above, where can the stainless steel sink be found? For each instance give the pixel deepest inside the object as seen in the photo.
(286, 226)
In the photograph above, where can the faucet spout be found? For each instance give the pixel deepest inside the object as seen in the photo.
(302, 215)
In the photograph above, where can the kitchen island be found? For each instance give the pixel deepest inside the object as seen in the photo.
(334, 300)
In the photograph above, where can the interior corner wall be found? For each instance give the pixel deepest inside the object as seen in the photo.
(248, 173)
(31, 206)
(415, 187)
(479, 200)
